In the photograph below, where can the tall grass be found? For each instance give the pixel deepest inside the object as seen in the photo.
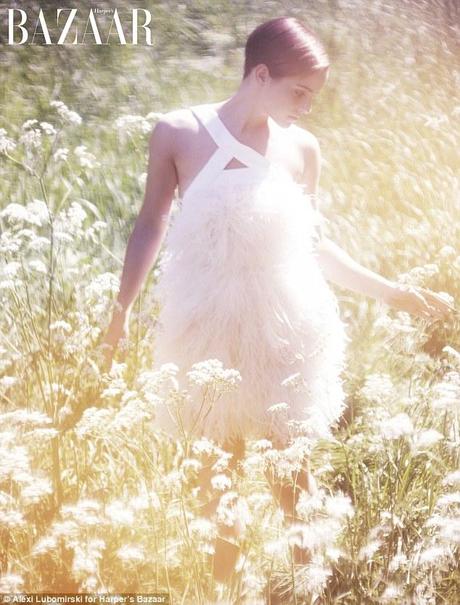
(92, 497)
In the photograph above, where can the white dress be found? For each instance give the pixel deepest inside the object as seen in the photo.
(239, 282)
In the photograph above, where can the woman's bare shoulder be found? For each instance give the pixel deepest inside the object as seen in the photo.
(305, 139)
(179, 120)
(173, 130)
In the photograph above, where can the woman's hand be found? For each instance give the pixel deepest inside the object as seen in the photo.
(418, 301)
(118, 329)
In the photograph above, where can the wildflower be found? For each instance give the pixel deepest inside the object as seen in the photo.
(31, 139)
(447, 499)
(45, 545)
(38, 266)
(130, 554)
(85, 559)
(434, 554)
(66, 114)
(93, 419)
(397, 562)
(277, 408)
(452, 352)
(203, 446)
(85, 512)
(12, 519)
(377, 388)
(6, 382)
(396, 427)
(62, 325)
(202, 529)
(11, 582)
(6, 144)
(85, 158)
(295, 382)
(452, 478)
(367, 551)
(119, 513)
(339, 506)
(36, 490)
(314, 577)
(61, 154)
(29, 124)
(422, 440)
(446, 395)
(132, 125)
(447, 252)
(212, 372)
(35, 213)
(391, 592)
(262, 444)
(48, 128)
(221, 482)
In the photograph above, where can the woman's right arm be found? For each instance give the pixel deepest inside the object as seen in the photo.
(149, 229)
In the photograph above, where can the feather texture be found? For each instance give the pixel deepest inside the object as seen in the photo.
(240, 282)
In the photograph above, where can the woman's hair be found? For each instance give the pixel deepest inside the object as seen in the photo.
(286, 46)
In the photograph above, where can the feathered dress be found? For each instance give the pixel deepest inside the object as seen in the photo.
(240, 282)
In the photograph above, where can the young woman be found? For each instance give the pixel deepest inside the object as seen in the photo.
(246, 262)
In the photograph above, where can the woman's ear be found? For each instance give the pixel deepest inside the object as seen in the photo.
(261, 73)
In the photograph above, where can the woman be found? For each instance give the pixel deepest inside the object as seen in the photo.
(246, 263)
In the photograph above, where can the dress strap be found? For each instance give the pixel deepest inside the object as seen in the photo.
(248, 156)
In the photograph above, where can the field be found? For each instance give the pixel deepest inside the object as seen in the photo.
(92, 497)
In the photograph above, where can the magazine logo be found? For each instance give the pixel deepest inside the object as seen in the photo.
(68, 27)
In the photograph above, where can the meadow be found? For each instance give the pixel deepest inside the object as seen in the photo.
(92, 497)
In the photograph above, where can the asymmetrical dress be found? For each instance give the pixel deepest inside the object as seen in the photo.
(240, 282)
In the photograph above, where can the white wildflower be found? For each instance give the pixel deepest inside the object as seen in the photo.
(296, 382)
(6, 382)
(397, 426)
(212, 372)
(423, 440)
(446, 395)
(85, 158)
(367, 551)
(38, 266)
(452, 478)
(397, 562)
(45, 545)
(221, 482)
(11, 582)
(31, 139)
(339, 506)
(6, 144)
(132, 125)
(12, 519)
(447, 252)
(36, 490)
(377, 387)
(434, 554)
(118, 512)
(130, 554)
(391, 592)
(278, 408)
(61, 154)
(66, 114)
(48, 128)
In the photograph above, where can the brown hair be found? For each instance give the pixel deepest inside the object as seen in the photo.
(286, 46)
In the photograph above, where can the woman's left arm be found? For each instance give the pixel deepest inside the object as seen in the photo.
(340, 268)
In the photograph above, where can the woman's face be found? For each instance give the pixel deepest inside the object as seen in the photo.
(286, 99)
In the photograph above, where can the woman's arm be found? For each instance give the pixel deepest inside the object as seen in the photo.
(149, 229)
(145, 240)
(340, 268)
